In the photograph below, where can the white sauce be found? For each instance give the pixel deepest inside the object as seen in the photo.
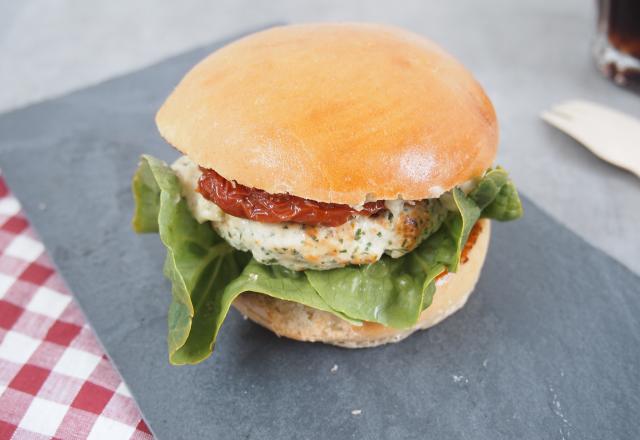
(202, 209)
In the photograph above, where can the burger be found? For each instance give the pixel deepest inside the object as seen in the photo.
(335, 185)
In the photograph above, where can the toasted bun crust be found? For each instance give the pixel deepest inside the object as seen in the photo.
(341, 113)
(296, 321)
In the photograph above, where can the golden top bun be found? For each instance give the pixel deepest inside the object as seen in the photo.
(296, 321)
(341, 113)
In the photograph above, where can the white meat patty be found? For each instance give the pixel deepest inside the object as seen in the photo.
(360, 240)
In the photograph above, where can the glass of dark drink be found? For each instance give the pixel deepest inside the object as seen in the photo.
(617, 44)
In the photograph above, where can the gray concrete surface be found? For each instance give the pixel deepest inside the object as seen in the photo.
(527, 54)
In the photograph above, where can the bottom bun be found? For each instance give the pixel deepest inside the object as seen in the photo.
(296, 321)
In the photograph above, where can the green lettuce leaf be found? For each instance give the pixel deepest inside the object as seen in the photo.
(207, 274)
(199, 263)
(282, 283)
(394, 291)
(146, 196)
(497, 196)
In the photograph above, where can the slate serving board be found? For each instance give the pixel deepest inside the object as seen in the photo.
(547, 347)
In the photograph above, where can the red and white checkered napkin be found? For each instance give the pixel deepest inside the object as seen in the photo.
(55, 380)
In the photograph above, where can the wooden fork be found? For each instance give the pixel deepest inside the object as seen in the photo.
(609, 134)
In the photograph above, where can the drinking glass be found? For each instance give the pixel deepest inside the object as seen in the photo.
(617, 43)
